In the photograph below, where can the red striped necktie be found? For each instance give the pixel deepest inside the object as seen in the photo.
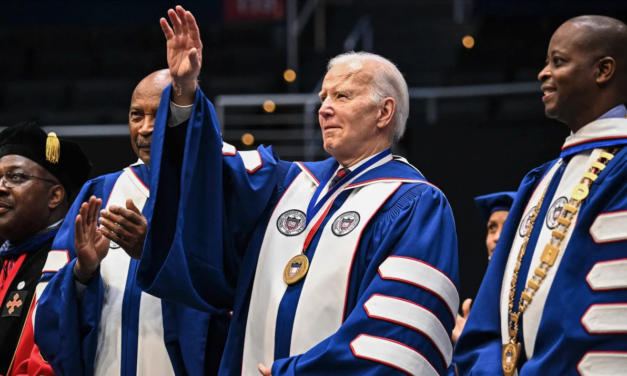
(339, 176)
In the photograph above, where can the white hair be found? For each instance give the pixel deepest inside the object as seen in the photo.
(388, 82)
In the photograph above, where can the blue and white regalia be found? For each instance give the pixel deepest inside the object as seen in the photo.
(381, 293)
(576, 323)
(109, 326)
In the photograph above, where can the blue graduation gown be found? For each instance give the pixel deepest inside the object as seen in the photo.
(579, 330)
(236, 213)
(78, 338)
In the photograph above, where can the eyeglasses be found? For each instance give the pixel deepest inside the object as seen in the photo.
(15, 179)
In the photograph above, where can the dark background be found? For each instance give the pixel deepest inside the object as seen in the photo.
(77, 62)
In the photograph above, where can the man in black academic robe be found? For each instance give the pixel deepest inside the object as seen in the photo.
(38, 173)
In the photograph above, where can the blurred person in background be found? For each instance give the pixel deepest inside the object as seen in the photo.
(38, 173)
(93, 317)
(553, 301)
(346, 266)
(494, 209)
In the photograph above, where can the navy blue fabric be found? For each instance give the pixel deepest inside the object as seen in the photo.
(34, 243)
(130, 322)
(491, 203)
(618, 112)
(567, 152)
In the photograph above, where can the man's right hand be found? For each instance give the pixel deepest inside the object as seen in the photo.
(91, 246)
(184, 54)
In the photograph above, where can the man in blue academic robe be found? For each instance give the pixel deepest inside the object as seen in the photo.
(553, 301)
(93, 319)
(346, 266)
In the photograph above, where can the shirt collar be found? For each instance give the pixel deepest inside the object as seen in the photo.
(356, 165)
(56, 224)
(619, 112)
(610, 129)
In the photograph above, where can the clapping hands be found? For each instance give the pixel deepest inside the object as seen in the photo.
(125, 226)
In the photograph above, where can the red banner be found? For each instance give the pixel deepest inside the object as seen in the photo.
(254, 9)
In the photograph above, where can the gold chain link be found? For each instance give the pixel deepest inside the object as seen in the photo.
(513, 317)
(552, 249)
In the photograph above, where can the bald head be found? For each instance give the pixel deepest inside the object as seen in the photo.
(153, 84)
(144, 104)
(602, 37)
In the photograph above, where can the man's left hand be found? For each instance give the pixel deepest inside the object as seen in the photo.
(265, 371)
(126, 227)
(461, 320)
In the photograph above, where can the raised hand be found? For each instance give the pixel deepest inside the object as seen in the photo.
(184, 53)
(91, 246)
(126, 227)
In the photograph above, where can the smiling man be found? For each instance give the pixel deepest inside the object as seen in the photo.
(93, 304)
(553, 301)
(38, 174)
(345, 266)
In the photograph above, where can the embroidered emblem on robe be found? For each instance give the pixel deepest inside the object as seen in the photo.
(524, 225)
(13, 305)
(345, 223)
(292, 222)
(554, 212)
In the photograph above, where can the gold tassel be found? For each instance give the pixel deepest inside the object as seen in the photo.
(53, 148)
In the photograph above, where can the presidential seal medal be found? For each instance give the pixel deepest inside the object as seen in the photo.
(510, 358)
(296, 269)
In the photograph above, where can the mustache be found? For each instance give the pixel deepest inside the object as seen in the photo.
(5, 200)
(143, 143)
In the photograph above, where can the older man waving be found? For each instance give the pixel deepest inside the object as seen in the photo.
(346, 266)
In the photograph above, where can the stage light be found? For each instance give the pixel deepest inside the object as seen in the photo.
(289, 75)
(269, 106)
(468, 42)
(248, 139)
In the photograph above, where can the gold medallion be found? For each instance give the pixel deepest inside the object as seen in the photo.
(580, 192)
(510, 358)
(296, 269)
